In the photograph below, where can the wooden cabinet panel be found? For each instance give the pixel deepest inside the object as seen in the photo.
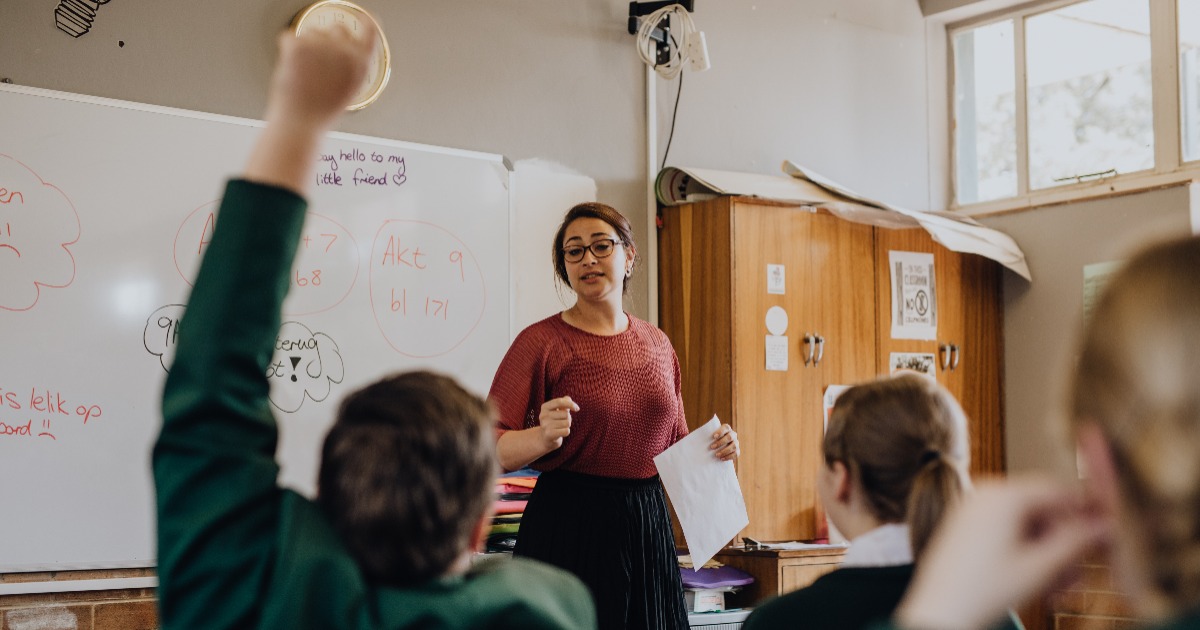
(778, 447)
(696, 302)
(841, 294)
(713, 304)
(797, 576)
(829, 298)
(981, 389)
(968, 348)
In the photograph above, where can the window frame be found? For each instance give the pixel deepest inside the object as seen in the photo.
(1169, 168)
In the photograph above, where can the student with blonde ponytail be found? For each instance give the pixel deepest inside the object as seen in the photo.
(896, 458)
(1134, 411)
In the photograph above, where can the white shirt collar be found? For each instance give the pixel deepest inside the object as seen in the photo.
(885, 546)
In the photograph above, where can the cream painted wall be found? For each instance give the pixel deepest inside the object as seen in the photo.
(851, 88)
(835, 85)
(1041, 319)
(838, 85)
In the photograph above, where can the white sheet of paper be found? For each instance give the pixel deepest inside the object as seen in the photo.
(835, 537)
(776, 285)
(914, 295)
(777, 349)
(704, 491)
(923, 362)
(956, 233)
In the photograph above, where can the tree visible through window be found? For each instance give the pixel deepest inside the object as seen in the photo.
(986, 113)
(1189, 77)
(1088, 85)
(1088, 109)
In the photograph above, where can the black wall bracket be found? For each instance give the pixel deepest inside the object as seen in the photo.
(661, 33)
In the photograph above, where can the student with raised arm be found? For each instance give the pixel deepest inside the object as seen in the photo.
(1135, 415)
(407, 471)
(896, 458)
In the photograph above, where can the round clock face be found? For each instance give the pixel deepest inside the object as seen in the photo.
(326, 14)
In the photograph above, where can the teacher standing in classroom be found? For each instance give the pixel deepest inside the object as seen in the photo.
(588, 397)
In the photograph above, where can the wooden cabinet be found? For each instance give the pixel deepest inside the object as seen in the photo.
(714, 299)
(713, 292)
(968, 349)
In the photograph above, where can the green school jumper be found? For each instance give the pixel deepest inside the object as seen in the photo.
(1188, 622)
(845, 599)
(234, 549)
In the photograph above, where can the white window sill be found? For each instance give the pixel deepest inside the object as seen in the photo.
(1109, 187)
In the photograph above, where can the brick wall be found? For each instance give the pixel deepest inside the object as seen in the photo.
(127, 609)
(1092, 603)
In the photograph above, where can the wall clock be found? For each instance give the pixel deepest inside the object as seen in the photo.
(325, 14)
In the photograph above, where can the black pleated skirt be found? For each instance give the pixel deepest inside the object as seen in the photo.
(615, 534)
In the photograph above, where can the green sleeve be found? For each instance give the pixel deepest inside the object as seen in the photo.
(214, 461)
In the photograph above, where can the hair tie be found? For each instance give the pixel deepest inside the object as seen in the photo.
(930, 455)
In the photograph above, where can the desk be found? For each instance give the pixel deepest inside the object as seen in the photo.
(777, 571)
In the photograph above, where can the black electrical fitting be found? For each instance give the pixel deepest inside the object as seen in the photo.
(639, 9)
(661, 33)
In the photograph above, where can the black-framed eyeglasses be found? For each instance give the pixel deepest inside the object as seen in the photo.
(600, 248)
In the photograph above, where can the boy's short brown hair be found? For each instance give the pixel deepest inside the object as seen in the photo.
(406, 472)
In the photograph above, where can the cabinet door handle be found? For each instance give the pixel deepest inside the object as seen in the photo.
(809, 343)
(954, 350)
(944, 352)
(820, 349)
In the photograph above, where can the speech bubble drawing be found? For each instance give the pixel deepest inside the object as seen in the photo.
(305, 365)
(161, 333)
(38, 224)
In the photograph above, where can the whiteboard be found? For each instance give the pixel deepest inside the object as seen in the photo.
(105, 210)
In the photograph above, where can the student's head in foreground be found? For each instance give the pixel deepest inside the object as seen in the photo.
(1135, 409)
(895, 452)
(407, 475)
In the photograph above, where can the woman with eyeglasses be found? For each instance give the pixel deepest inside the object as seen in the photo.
(588, 397)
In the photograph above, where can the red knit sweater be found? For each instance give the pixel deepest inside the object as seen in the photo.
(626, 386)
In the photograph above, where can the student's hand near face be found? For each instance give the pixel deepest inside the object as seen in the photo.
(725, 443)
(555, 421)
(1006, 542)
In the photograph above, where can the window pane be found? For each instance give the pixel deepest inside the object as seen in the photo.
(1189, 77)
(985, 113)
(1088, 78)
